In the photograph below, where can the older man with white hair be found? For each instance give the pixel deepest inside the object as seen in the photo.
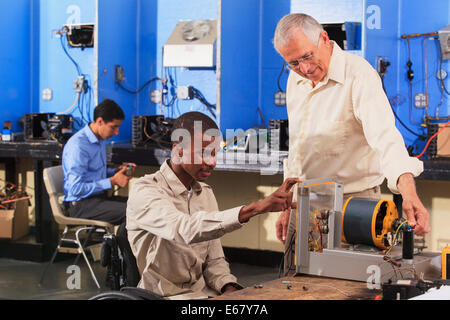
(340, 121)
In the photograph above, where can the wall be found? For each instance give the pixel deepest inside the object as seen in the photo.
(118, 43)
(169, 13)
(271, 62)
(147, 24)
(239, 64)
(57, 71)
(249, 64)
(18, 60)
(387, 22)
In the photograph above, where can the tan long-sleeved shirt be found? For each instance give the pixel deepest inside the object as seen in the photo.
(174, 234)
(344, 127)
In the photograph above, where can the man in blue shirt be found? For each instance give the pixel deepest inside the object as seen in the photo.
(86, 176)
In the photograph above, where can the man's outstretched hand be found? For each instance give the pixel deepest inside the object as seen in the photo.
(280, 200)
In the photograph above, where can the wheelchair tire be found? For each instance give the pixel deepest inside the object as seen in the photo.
(114, 295)
(141, 293)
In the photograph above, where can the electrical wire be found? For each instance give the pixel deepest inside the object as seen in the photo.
(88, 96)
(140, 89)
(395, 237)
(80, 98)
(172, 91)
(289, 248)
(432, 137)
(73, 106)
(410, 77)
(422, 137)
(279, 76)
(199, 96)
(441, 82)
(442, 78)
(154, 136)
(67, 53)
(12, 194)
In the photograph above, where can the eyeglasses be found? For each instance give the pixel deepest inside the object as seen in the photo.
(295, 64)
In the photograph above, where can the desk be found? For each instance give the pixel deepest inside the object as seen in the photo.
(305, 287)
(37, 247)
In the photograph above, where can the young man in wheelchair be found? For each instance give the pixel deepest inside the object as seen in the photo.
(173, 221)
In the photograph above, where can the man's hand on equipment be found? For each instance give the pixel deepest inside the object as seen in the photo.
(120, 178)
(279, 200)
(416, 214)
(129, 166)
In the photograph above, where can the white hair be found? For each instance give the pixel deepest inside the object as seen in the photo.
(296, 21)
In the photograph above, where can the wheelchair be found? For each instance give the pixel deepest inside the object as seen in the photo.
(123, 274)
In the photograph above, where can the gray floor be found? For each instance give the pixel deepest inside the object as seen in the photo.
(19, 280)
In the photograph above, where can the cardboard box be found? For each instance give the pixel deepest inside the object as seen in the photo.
(443, 142)
(14, 223)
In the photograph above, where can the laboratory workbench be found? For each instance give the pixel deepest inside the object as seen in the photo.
(305, 287)
(49, 153)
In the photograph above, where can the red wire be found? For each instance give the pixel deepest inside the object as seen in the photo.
(432, 137)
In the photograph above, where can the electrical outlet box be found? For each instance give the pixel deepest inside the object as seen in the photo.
(118, 74)
(382, 64)
(444, 40)
(279, 98)
(47, 94)
(80, 85)
(155, 96)
(421, 100)
(185, 93)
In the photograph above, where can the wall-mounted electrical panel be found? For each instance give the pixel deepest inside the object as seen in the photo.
(192, 44)
(444, 39)
(80, 35)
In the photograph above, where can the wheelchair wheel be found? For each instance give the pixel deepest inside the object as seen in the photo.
(141, 293)
(114, 295)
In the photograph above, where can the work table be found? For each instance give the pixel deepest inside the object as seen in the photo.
(305, 287)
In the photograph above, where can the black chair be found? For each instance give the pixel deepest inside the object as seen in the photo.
(118, 257)
(130, 269)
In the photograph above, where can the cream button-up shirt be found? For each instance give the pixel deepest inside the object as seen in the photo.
(174, 235)
(344, 127)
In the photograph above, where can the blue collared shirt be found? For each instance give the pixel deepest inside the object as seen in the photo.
(84, 165)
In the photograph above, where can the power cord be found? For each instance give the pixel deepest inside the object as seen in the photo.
(80, 98)
(421, 137)
(140, 89)
(199, 96)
